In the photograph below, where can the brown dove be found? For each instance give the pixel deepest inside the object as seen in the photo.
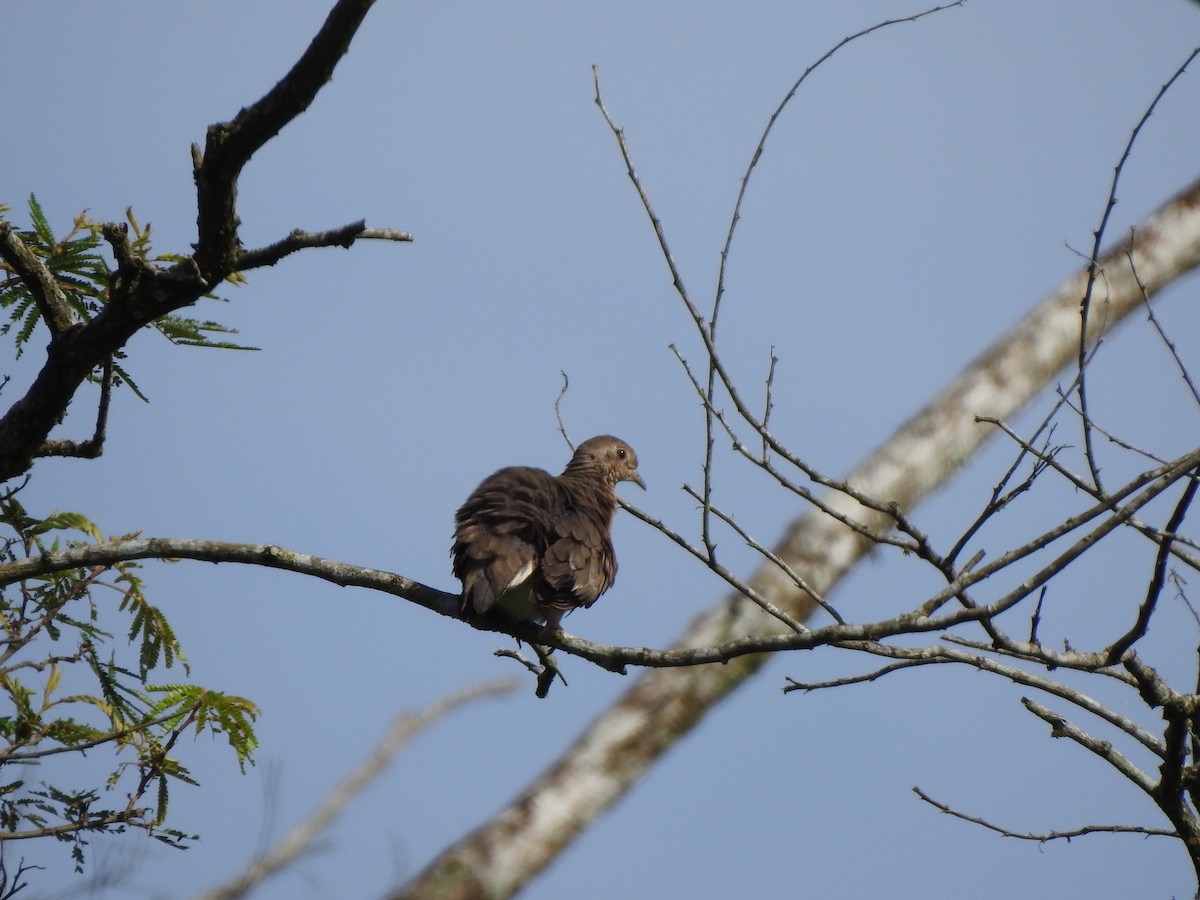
(537, 546)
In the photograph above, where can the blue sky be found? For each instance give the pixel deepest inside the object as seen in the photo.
(924, 189)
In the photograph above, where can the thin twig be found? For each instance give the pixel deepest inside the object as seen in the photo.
(1057, 835)
(1060, 727)
(562, 428)
(792, 575)
(1158, 578)
(1162, 333)
(712, 565)
(768, 405)
(874, 537)
(1094, 266)
(976, 656)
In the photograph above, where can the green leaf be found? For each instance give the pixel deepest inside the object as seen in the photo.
(40, 225)
(194, 332)
(212, 711)
(61, 521)
(83, 274)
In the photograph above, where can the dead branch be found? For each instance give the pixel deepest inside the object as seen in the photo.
(1046, 836)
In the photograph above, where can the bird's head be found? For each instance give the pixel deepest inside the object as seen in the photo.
(611, 456)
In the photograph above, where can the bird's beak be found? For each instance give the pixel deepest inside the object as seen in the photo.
(636, 479)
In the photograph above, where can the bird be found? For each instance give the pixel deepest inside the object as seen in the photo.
(537, 546)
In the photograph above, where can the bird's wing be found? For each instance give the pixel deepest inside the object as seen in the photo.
(501, 532)
(579, 564)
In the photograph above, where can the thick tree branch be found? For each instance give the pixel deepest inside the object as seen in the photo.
(93, 446)
(49, 297)
(229, 145)
(303, 240)
(139, 295)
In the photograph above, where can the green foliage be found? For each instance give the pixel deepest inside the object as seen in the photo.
(69, 696)
(84, 275)
(78, 691)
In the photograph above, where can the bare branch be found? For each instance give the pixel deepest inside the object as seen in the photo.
(778, 111)
(744, 589)
(10, 887)
(546, 668)
(1044, 837)
(404, 728)
(1060, 727)
(655, 222)
(1083, 485)
(1095, 267)
(1003, 495)
(870, 535)
(1108, 435)
(268, 555)
(788, 570)
(302, 240)
(562, 428)
(923, 658)
(1151, 484)
(1153, 319)
(1157, 579)
(768, 406)
(1036, 619)
(909, 657)
(230, 145)
(93, 446)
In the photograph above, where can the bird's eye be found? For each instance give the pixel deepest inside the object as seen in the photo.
(621, 452)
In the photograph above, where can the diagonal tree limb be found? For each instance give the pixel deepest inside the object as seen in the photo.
(49, 297)
(92, 447)
(229, 145)
(662, 707)
(404, 728)
(1159, 577)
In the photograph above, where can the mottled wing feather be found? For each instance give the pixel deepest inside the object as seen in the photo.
(501, 532)
(580, 564)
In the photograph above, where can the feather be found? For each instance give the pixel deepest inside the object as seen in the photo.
(537, 546)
